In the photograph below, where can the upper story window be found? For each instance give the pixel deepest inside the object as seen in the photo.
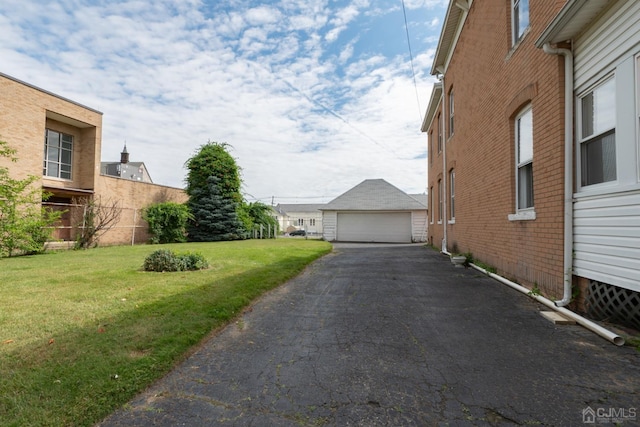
(519, 18)
(524, 159)
(431, 203)
(58, 148)
(440, 194)
(598, 134)
(451, 111)
(430, 147)
(300, 222)
(452, 194)
(439, 134)
(312, 222)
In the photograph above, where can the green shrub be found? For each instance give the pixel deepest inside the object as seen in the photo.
(167, 222)
(194, 261)
(166, 260)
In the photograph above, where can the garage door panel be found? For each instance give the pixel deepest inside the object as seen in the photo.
(394, 227)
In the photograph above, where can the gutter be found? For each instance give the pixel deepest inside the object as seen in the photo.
(568, 170)
(604, 333)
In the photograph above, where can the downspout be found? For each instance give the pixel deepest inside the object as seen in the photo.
(444, 169)
(568, 169)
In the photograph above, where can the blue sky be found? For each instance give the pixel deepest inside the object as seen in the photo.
(313, 96)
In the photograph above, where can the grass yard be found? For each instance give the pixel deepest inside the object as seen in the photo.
(81, 332)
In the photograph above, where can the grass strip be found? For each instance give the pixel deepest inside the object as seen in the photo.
(82, 332)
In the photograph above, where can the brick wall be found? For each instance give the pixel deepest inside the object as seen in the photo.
(26, 112)
(492, 82)
(132, 197)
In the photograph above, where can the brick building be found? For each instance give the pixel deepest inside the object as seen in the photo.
(509, 180)
(60, 141)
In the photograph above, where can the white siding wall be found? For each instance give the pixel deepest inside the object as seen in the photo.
(607, 239)
(329, 223)
(419, 226)
(607, 215)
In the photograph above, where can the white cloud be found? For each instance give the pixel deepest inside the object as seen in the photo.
(304, 117)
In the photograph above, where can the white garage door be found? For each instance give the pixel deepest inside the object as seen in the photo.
(394, 227)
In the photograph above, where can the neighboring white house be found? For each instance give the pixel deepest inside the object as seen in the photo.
(306, 217)
(375, 211)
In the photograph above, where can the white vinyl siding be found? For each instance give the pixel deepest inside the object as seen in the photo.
(607, 214)
(329, 222)
(607, 239)
(419, 226)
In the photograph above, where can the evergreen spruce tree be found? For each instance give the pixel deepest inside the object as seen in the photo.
(214, 216)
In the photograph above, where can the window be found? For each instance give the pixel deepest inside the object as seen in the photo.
(430, 147)
(519, 18)
(524, 162)
(451, 110)
(312, 222)
(57, 154)
(452, 194)
(598, 134)
(300, 222)
(439, 134)
(440, 200)
(431, 203)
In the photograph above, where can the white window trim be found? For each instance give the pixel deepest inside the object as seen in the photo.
(59, 163)
(523, 215)
(605, 186)
(452, 196)
(528, 213)
(431, 211)
(451, 113)
(515, 39)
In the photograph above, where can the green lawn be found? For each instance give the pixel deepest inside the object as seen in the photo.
(81, 332)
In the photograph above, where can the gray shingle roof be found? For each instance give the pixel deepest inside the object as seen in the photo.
(374, 195)
(300, 207)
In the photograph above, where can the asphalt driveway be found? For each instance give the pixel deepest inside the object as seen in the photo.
(394, 335)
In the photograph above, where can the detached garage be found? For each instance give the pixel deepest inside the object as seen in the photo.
(375, 211)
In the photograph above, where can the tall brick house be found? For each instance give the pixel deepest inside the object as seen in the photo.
(60, 141)
(533, 146)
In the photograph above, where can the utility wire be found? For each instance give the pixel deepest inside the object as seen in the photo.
(415, 85)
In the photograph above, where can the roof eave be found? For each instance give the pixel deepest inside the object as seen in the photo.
(434, 102)
(449, 34)
(572, 19)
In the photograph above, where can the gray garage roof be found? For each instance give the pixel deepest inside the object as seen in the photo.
(300, 207)
(374, 195)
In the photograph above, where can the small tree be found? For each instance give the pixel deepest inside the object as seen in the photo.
(25, 226)
(214, 216)
(93, 218)
(260, 215)
(167, 222)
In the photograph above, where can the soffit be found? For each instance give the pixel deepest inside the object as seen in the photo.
(572, 20)
(456, 13)
(68, 120)
(434, 102)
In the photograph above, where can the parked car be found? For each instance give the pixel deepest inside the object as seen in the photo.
(298, 233)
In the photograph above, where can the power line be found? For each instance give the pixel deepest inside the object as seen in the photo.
(413, 72)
